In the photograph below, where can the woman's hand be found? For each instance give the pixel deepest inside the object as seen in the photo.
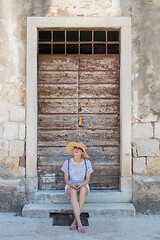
(79, 186)
(75, 186)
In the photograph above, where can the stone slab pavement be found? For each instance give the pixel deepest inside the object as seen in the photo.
(146, 227)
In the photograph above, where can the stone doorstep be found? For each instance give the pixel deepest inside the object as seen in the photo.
(95, 196)
(94, 209)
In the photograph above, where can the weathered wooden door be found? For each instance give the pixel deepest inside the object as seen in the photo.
(70, 87)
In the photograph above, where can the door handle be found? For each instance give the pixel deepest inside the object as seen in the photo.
(81, 120)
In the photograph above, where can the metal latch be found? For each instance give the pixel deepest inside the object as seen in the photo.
(81, 120)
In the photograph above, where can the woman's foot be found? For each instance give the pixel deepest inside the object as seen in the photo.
(81, 229)
(73, 227)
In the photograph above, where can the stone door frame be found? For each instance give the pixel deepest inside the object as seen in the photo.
(122, 23)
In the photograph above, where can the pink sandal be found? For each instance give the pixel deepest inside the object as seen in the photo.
(73, 227)
(81, 229)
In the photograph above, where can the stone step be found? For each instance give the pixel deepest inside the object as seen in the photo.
(94, 209)
(95, 196)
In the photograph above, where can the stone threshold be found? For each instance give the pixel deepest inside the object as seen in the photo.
(93, 209)
(94, 196)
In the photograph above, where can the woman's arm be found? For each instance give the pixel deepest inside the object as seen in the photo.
(86, 181)
(68, 182)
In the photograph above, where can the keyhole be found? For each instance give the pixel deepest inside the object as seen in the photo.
(80, 109)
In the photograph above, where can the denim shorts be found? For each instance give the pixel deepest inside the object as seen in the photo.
(67, 186)
(74, 182)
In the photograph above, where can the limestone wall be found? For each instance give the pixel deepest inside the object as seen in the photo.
(145, 103)
(145, 90)
(146, 164)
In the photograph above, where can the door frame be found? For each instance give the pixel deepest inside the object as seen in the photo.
(124, 25)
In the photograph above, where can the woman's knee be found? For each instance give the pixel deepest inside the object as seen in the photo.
(84, 190)
(72, 192)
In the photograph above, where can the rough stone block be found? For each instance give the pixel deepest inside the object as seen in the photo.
(12, 195)
(11, 131)
(13, 160)
(149, 118)
(4, 148)
(146, 194)
(17, 114)
(17, 184)
(153, 162)
(142, 130)
(148, 147)
(18, 171)
(157, 130)
(139, 165)
(16, 148)
(22, 131)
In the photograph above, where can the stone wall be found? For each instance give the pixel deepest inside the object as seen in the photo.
(145, 103)
(145, 91)
(146, 164)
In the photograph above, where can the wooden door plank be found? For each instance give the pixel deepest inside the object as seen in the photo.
(56, 138)
(99, 137)
(52, 160)
(57, 91)
(99, 91)
(107, 63)
(108, 151)
(98, 106)
(58, 77)
(67, 106)
(53, 122)
(99, 121)
(49, 63)
(99, 77)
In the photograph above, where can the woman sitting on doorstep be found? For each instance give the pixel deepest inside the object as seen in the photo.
(77, 172)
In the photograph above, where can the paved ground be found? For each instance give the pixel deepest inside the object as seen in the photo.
(141, 227)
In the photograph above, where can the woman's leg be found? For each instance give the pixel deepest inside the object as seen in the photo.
(82, 196)
(72, 193)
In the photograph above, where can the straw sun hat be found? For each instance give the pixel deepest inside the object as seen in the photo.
(71, 145)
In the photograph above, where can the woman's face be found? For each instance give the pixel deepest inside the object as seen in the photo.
(77, 151)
